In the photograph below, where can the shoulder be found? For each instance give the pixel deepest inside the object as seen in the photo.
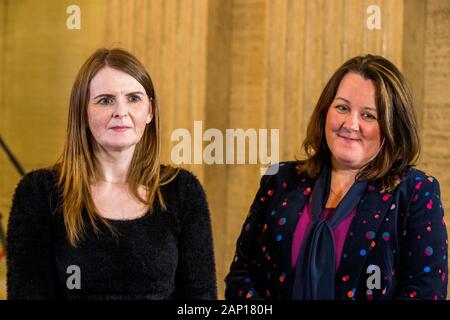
(282, 168)
(38, 180)
(415, 180)
(185, 197)
(284, 173)
(184, 188)
(419, 191)
(35, 192)
(186, 180)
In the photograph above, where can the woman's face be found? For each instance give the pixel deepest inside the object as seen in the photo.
(118, 110)
(352, 130)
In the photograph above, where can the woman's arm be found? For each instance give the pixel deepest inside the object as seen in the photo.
(196, 274)
(241, 282)
(30, 259)
(423, 268)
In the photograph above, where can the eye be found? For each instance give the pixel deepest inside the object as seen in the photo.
(134, 98)
(369, 116)
(105, 101)
(342, 107)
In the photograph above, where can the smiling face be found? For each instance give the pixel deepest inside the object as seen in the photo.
(352, 130)
(118, 110)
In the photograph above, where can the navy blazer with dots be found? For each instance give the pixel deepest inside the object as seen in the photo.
(402, 233)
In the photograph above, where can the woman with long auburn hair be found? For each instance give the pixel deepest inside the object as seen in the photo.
(108, 220)
(354, 220)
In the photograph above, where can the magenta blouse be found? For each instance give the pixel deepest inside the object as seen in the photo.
(304, 225)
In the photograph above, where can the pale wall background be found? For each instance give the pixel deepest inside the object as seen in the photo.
(229, 63)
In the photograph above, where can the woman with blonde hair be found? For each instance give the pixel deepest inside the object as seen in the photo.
(108, 221)
(354, 220)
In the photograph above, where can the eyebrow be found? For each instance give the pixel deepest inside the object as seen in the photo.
(111, 95)
(135, 92)
(340, 98)
(348, 101)
(104, 95)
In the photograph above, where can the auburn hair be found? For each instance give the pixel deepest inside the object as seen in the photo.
(400, 148)
(77, 166)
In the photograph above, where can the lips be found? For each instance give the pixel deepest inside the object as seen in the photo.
(349, 139)
(120, 128)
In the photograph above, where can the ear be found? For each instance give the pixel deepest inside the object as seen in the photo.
(149, 118)
(150, 114)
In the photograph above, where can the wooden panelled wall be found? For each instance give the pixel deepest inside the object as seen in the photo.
(228, 63)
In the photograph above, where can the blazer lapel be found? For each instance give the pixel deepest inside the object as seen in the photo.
(369, 216)
(286, 215)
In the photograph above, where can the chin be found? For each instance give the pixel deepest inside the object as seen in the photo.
(119, 146)
(348, 162)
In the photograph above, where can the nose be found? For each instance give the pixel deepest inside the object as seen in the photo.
(351, 122)
(120, 110)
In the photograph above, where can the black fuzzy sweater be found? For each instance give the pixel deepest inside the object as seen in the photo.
(162, 255)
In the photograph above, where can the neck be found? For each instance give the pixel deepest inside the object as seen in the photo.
(113, 165)
(342, 178)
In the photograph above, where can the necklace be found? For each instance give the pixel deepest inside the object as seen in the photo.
(337, 195)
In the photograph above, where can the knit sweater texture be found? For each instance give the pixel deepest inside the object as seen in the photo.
(161, 255)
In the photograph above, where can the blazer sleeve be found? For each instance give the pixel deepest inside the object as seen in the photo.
(196, 271)
(241, 282)
(423, 267)
(31, 269)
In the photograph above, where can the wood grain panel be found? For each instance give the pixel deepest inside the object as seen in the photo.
(247, 64)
